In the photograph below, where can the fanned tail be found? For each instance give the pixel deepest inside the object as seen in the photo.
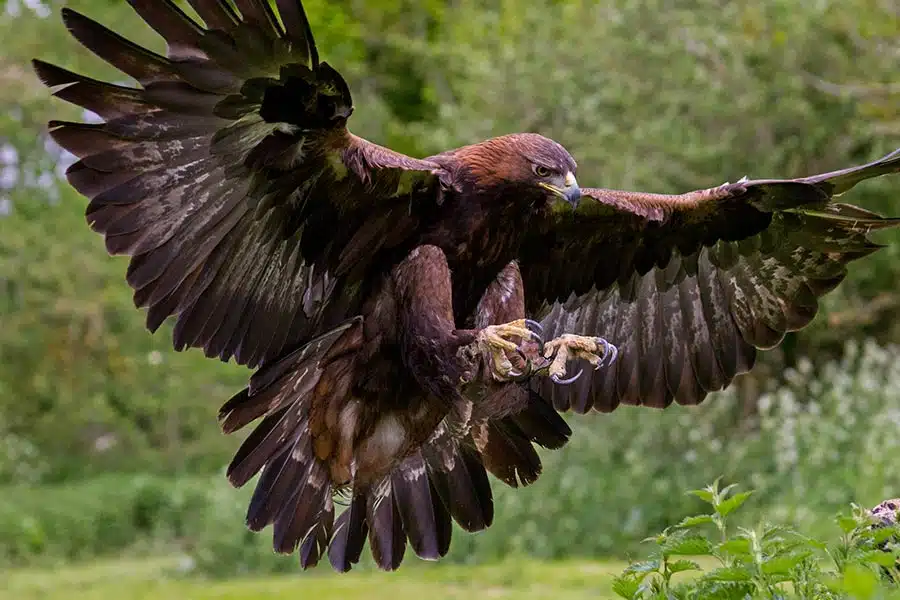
(443, 481)
(447, 480)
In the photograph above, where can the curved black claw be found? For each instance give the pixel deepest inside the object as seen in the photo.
(615, 353)
(610, 352)
(573, 379)
(534, 326)
(526, 372)
(537, 331)
(525, 375)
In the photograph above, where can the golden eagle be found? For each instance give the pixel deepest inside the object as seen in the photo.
(383, 298)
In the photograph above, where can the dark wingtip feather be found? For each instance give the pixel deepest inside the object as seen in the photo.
(299, 30)
(49, 74)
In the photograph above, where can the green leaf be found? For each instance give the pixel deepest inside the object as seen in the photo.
(735, 547)
(782, 565)
(727, 490)
(705, 495)
(878, 557)
(725, 590)
(730, 574)
(626, 586)
(679, 566)
(694, 545)
(731, 504)
(694, 521)
(847, 524)
(859, 582)
(883, 534)
(646, 566)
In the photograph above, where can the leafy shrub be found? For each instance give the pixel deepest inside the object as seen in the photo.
(97, 517)
(766, 562)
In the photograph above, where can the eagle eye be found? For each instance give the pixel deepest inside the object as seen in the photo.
(542, 171)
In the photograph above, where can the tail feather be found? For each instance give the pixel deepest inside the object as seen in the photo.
(316, 543)
(269, 438)
(508, 454)
(461, 482)
(305, 512)
(387, 538)
(281, 481)
(423, 514)
(350, 534)
(541, 423)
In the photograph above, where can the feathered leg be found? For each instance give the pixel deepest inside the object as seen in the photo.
(439, 355)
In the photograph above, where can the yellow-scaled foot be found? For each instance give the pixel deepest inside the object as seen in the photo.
(595, 350)
(499, 345)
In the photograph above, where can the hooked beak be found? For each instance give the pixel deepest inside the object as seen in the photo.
(571, 193)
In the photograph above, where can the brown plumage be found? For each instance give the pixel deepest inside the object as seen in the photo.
(380, 296)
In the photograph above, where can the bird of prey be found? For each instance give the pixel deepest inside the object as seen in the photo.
(384, 299)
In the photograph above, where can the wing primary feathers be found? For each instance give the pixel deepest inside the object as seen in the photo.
(141, 64)
(217, 14)
(843, 180)
(188, 178)
(181, 33)
(107, 100)
(298, 28)
(259, 13)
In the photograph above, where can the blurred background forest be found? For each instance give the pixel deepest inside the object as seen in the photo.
(108, 439)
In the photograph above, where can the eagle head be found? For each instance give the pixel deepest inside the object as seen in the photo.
(525, 166)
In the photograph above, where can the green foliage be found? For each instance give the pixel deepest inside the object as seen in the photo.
(767, 562)
(98, 517)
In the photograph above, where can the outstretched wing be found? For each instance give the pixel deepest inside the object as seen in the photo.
(229, 175)
(689, 286)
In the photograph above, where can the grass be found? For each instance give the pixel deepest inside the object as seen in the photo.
(524, 579)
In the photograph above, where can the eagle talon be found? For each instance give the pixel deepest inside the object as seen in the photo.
(493, 343)
(595, 350)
